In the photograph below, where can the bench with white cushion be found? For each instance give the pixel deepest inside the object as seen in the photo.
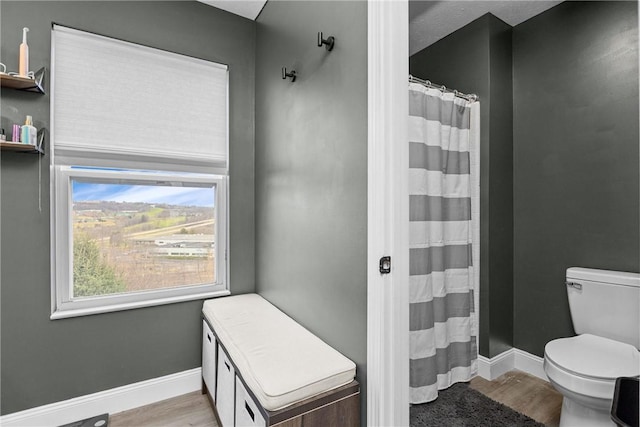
(260, 367)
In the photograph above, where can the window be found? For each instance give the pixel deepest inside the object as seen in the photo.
(136, 237)
(139, 173)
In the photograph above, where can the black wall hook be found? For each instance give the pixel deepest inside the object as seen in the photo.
(328, 42)
(292, 74)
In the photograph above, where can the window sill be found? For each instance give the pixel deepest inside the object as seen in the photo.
(64, 314)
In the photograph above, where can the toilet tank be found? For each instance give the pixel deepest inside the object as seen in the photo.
(605, 303)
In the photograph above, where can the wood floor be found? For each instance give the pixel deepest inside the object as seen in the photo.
(191, 409)
(522, 392)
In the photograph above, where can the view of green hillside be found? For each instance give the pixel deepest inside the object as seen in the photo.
(125, 247)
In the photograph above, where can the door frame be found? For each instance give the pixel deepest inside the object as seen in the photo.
(388, 213)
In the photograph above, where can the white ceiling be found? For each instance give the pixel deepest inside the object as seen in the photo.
(247, 8)
(429, 21)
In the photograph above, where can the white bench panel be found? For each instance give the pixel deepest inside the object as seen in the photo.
(225, 394)
(209, 358)
(247, 412)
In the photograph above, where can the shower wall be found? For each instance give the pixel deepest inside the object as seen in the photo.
(477, 59)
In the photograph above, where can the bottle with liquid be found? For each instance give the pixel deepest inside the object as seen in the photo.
(29, 134)
(23, 69)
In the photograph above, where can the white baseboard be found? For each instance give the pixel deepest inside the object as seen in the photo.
(529, 363)
(511, 359)
(491, 369)
(108, 401)
(154, 390)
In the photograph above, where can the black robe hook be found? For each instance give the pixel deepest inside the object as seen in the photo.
(292, 74)
(328, 42)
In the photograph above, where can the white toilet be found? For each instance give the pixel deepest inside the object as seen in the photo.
(605, 310)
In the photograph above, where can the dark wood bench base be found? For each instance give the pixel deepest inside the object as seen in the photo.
(339, 407)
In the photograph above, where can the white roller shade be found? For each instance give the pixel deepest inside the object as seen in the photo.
(119, 98)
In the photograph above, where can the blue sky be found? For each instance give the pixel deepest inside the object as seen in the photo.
(184, 196)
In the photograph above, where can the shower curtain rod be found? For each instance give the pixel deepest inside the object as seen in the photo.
(469, 97)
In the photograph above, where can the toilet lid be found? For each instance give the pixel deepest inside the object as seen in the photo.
(592, 356)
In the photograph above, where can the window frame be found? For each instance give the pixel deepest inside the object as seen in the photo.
(63, 305)
(175, 162)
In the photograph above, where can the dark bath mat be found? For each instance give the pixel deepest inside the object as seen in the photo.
(97, 421)
(461, 406)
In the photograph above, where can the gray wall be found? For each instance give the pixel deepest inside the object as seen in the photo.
(45, 361)
(311, 170)
(477, 59)
(575, 171)
(576, 168)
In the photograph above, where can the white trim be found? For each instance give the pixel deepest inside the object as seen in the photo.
(179, 160)
(108, 401)
(529, 363)
(388, 214)
(63, 303)
(474, 183)
(491, 369)
(514, 358)
(65, 314)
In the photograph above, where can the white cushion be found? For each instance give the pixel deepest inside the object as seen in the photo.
(280, 361)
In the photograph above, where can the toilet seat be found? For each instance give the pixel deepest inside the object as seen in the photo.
(594, 357)
(588, 365)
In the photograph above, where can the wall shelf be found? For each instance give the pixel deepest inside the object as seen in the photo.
(18, 147)
(23, 83)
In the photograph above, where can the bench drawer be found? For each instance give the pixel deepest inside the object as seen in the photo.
(226, 389)
(209, 358)
(247, 412)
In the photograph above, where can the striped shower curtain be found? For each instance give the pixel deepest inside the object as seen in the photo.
(444, 143)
